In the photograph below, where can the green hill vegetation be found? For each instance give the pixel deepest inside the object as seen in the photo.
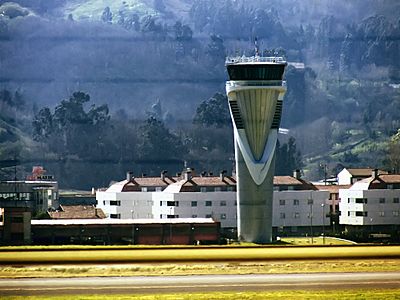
(154, 67)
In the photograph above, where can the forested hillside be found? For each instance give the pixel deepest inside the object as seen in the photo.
(102, 87)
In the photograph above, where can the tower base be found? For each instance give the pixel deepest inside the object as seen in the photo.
(254, 203)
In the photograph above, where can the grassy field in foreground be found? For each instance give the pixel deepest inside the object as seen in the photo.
(197, 254)
(315, 241)
(301, 294)
(290, 241)
(277, 267)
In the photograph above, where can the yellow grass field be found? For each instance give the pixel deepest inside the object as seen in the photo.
(196, 254)
(339, 294)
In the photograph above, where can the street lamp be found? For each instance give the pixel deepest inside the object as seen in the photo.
(372, 224)
(311, 217)
(324, 166)
(323, 223)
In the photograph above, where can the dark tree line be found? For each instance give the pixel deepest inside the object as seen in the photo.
(73, 132)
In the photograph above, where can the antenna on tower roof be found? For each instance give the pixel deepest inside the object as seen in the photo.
(256, 47)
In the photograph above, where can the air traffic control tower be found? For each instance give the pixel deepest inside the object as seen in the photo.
(255, 92)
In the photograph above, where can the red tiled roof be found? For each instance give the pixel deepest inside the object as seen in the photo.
(154, 181)
(364, 172)
(77, 212)
(286, 180)
(196, 181)
(388, 179)
(332, 188)
(212, 181)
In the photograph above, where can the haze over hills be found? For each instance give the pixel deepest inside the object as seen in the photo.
(136, 55)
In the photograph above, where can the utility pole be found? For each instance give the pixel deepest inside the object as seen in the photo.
(311, 224)
(323, 223)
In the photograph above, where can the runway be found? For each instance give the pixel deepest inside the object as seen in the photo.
(198, 283)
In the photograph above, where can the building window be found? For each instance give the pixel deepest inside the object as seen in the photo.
(395, 213)
(296, 215)
(389, 186)
(194, 216)
(158, 188)
(229, 189)
(381, 200)
(208, 203)
(381, 213)
(222, 203)
(395, 200)
(172, 203)
(172, 216)
(217, 189)
(161, 203)
(282, 216)
(194, 203)
(361, 214)
(348, 214)
(290, 188)
(281, 202)
(296, 202)
(208, 215)
(310, 201)
(223, 216)
(115, 203)
(115, 216)
(144, 189)
(104, 202)
(203, 189)
(235, 203)
(361, 200)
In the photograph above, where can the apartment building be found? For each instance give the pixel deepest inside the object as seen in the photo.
(371, 206)
(297, 204)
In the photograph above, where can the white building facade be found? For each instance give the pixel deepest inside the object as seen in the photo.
(296, 205)
(373, 202)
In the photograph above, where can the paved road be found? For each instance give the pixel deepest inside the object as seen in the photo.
(160, 284)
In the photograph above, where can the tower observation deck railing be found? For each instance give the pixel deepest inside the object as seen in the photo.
(237, 83)
(254, 59)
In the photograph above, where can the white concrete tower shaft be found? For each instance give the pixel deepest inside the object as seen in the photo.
(255, 93)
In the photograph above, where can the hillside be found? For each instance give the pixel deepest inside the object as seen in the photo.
(341, 108)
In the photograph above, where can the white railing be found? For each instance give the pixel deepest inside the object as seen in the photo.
(236, 83)
(245, 59)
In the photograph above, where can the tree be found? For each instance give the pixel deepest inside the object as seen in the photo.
(213, 112)
(182, 32)
(71, 129)
(158, 144)
(394, 153)
(107, 15)
(42, 124)
(288, 158)
(215, 48)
